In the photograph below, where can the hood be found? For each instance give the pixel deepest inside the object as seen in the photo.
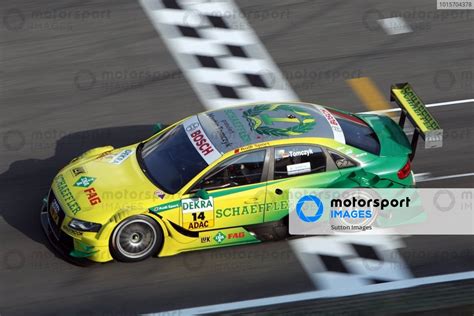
(95, 186)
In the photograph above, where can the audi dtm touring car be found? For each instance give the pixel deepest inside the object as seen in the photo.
(222, 177)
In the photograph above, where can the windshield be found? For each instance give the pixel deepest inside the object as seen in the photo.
(171, 160)
(357, 133)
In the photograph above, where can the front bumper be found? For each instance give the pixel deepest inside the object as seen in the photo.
(62, 243)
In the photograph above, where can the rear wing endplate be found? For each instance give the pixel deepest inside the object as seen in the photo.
(419, 116)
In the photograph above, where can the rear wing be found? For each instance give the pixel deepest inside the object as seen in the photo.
(416, 111)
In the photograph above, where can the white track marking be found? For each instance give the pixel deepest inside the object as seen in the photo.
(432, 105)
(305, 296)
(424, 177)
(395, 25)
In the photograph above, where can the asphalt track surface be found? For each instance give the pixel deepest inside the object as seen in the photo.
(57, 101)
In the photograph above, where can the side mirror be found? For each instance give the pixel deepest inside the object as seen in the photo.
(202, 194)
(157, 127)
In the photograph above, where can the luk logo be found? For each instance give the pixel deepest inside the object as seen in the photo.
(84, 182)
(309, 208)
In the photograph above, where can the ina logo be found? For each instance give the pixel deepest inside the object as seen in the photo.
(314, 208)
(290, 120)
(84, 182)
(219, 237)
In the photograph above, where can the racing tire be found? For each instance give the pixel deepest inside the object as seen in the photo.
(135, 239)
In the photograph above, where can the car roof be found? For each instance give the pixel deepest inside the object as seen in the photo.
(243, 125)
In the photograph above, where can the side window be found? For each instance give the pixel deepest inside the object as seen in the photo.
(298, 160)
(243, 169)
(341, 161)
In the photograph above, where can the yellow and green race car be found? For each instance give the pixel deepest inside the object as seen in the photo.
(222, 177)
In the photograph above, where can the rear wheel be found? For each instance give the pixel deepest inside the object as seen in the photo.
(135, 239)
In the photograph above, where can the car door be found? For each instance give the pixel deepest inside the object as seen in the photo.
(292, 167)
(235, 191)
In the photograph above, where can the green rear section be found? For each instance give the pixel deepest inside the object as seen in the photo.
(393, 141)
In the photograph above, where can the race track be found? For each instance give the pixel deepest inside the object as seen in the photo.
(70, 84)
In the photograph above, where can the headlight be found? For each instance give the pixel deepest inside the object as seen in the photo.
(84, 226)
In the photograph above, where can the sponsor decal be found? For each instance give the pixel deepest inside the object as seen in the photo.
(223, 132)
(236, 235)
(106, 156)
(205, 239)
(306, 152)
(165, 207)
(160, 194)
(77, 171)
(84, 182)
(200, 140)
(240, 128)
(298, 168)
(419, 109)
(192, 127)
(336, 128)
(71, 231)
(121, 156)
(54, 211)
(250, 147)
(92, 196)
(65, 192)
(293, 120)
(219, 238)
(252, 209)
(198, 213)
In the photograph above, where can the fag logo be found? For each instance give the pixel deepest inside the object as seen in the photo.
(92, 196)
(219, 237)
(84, 182)
(236, 235)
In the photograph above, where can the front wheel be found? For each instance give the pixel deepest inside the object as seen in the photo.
(135, 239)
